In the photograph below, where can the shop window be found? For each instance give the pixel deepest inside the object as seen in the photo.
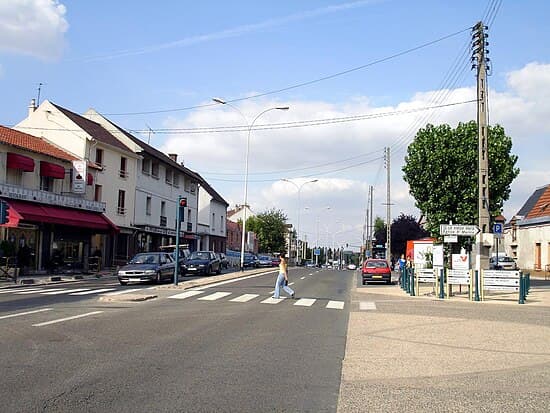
(97, 193)
(123, 172)
(148, 206)
(99, 157)
(121, 208)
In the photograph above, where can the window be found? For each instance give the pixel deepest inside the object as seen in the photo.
(99, 157)
(176, 180)
(169, 176)
(14, 176)
(148, 206)
(163, 208)
(123, 171)
(97, 193)
(155, 170)
(121, 209)
(221, 224)
(46, 183)
(213, 221)
(146, 166)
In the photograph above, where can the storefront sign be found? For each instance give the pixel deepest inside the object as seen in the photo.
(79, 177)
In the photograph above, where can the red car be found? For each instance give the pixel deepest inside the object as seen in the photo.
(376, 270)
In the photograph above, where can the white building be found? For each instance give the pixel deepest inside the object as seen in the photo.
(212, 219)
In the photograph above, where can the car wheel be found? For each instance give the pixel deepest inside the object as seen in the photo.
(159, 278)
(219, 270)
(209, 270)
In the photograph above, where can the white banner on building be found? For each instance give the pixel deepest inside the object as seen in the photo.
(79, 177)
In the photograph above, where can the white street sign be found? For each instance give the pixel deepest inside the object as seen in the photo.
(464, 230)
(450, 239)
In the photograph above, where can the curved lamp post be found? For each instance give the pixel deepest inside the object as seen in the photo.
(299, 188)
(249, 126)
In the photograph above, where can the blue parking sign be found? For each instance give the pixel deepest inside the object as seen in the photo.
(497, 228)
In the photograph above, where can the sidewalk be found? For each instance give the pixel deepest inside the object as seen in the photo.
(422, 354)
(53, 278)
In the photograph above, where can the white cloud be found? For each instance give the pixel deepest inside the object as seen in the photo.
(33, 27)
(347, 157)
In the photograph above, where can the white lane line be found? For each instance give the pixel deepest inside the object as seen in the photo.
(60, 320)
(186, 294)
(244, 298)
(272, 300)
(214, 296)
(101, 290)
(305, 302)
(18, 290)
(25, 313)
(40, 290)
(301, 278)
(367, 305)
(131, 290)
(336, 305)
(64, 291)
(289, 284)
(239, 279)
(310, 273)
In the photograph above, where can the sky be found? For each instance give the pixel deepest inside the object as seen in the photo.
(357, 76)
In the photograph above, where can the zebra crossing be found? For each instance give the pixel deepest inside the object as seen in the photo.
(45, 291)
(202, 295)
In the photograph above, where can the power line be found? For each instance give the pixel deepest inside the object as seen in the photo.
(298, 85)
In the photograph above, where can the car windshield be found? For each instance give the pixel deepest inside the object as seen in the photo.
(145, 259)
(376, 264)
(199, 255)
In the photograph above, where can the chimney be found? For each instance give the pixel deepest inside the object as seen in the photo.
(32, 106)
(173, 156)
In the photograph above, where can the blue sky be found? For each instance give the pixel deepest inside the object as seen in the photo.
(126, 57)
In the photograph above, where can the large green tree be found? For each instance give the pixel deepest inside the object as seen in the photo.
(270, 228)
(441, 168)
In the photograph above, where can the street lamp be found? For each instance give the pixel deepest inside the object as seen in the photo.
(299, 188)
(250, 126)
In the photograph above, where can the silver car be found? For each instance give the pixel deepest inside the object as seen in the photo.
(504, 263)
(148, 267)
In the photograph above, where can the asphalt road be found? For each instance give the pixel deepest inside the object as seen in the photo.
(68, 353)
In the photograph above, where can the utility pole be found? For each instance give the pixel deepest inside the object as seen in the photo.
(480, 60)
(388, 205)
(371, 230)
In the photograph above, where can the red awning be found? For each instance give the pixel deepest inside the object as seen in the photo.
(89, 179)
(52, 170)
(29, 211)
(17, 161)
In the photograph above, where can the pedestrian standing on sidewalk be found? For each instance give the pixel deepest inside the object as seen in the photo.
(402, 263)
(282, 279)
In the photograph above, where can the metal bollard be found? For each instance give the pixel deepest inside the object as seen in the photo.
(441, 283)
(476, 285)
(521, 289)
(412, 282)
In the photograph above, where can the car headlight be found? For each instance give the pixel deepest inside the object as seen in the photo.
(149, 272)
(121, 273)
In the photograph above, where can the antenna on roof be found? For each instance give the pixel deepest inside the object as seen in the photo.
(150, 131)
(38, 98)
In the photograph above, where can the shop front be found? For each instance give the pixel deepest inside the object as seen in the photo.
(44, 238)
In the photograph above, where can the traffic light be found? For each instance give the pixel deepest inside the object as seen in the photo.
(4, 212)
(182, 206)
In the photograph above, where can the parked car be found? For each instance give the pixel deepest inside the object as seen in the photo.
(184, 253)
(203, 262)
(148, 267)
(264, 261)
(504, 263)
(250, 260)
(275, 261)
(352, 266)
(223, 260)
(376, 270)
(310, 264)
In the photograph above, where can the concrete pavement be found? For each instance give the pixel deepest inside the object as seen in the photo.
(425, 354)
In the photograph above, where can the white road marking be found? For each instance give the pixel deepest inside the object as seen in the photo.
(301, 278)
(272, 300)
(289, 284)
(131, 290)
(367, 305)
(64, 291)
(25, 313)
(18, 290)
(101, 290)
(38, 291)
(336, 305)
(186, 294)
(60, 320)
(244, 298)
(215, 296)
(238, 279)
(310, 273)
(305, 302)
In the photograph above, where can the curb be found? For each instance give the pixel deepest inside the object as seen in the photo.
(53, 279)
